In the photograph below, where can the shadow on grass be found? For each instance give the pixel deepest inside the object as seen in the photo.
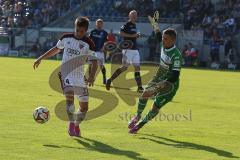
(94, 145)
(115, 87)
(189, 145)
(175, 101)
(51, 146)
(105, 148)
(62, 146)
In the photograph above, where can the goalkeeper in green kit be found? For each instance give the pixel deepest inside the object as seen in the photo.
(164, 85)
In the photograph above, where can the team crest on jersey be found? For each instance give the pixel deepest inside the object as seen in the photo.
(81, 46)
(177, 63)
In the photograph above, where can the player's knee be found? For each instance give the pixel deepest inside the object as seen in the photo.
(69, 96)
(143, 98)
(83, 106)
(84, 109)
(69, 100)
(146, 94)
(83, 99)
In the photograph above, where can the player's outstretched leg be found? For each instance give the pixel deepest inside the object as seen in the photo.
(70, 112)
(104, 74)
(81, 114)
(150, 115)
(139, 81)
(142, 102)
(115, 75)
(163, 97)
(138, 78)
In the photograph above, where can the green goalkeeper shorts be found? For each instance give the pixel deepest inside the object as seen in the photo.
(166, 93)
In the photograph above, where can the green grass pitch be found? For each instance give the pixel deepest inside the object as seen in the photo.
(207, 103)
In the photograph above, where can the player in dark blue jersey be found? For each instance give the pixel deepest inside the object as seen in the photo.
(130, 56)
(99, 37)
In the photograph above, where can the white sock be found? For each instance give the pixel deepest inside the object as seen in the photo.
(80, 117)
(70, 112)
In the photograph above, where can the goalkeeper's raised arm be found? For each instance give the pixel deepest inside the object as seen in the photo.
(154, 22)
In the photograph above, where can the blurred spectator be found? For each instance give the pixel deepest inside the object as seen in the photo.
(190, 55)
(36, 48)
(147, 7)
(216, 36)
(188, 22)
(152, 43)
(214, 52)
(229, 23)
(4, 28)
(111, 36)
(193, 54)
(34, 13)
(195, 26)
(216, 20)
(207, 20)
(228, 47)
(48, 44)
(185, 53)
(229, 53)
(196, 13)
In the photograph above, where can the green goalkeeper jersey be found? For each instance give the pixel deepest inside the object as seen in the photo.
(171, 59)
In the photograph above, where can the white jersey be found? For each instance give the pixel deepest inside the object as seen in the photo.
(76, 52)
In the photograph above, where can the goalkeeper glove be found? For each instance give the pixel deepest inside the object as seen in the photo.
(153, 20)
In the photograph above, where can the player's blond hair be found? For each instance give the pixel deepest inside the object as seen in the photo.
(82, 22)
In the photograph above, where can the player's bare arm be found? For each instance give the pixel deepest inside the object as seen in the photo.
(53, 51)
(123, 34)
(91, 77)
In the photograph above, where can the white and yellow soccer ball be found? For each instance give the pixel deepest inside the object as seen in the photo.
(41, 114)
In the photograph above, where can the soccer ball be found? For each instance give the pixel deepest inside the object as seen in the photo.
(41, 114)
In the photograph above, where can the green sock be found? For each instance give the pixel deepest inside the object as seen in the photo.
(151, 114)
(141, 105)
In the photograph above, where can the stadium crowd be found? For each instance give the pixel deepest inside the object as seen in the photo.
(32, 13)
(196, 14)
(220, 20)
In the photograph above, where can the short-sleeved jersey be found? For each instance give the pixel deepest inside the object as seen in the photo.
(76, 52)
(171, 59)
(130, 28)
(99, 37)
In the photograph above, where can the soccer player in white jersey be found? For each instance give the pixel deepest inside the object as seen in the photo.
(77, 50)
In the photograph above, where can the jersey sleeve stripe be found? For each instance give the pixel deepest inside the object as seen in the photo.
(67, 35)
